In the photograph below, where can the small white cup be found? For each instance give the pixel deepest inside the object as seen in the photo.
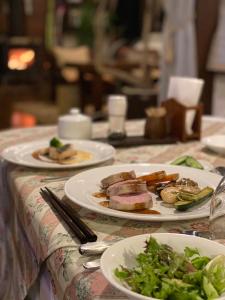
(74, 126)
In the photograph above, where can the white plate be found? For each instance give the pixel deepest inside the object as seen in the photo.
(21, 154)
(125, 251)
(215, 143)
(80, 189)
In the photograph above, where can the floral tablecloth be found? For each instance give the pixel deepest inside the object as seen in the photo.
(38, 256)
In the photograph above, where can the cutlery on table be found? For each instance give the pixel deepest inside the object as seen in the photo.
(56, 178)
(70, 217)
(220, 170)
(92, 264)
(95, 248)
(213, 205)
(203, 234)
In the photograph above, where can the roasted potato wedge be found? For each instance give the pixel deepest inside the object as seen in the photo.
(153, 176)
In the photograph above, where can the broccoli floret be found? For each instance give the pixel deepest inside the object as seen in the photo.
(55, 143)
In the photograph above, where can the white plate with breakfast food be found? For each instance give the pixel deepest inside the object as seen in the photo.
(148, 192)
(59, 154)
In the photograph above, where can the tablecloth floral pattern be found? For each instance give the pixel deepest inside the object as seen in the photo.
(37, 246)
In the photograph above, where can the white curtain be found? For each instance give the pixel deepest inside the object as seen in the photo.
(179, 56)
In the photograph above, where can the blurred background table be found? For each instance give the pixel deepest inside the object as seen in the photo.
(39, 258)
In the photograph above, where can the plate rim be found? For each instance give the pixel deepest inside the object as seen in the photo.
(131, 216)
(4, 155)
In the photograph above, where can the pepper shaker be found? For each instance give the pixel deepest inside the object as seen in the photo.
(117, 110)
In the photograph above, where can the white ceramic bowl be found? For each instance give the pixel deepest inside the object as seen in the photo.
(125, 251)
(215, 143)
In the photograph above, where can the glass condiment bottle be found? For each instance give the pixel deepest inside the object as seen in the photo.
(117, 110)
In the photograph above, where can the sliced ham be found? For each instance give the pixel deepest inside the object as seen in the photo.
(131, 202)
(127, 187)
(112, 179)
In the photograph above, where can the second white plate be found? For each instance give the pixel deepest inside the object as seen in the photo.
(21, 154)
(80, 189)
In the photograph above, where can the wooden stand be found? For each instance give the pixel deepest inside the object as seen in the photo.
(176, 116)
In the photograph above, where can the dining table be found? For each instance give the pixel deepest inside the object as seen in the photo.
(39, 257)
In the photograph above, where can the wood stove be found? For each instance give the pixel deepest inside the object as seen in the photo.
(21, 60)
(25, 65)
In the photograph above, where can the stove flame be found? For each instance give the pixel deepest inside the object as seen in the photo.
(20, 58)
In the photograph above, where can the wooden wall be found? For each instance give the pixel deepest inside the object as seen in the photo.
(35, 24)
(31, 25)
(206, 22)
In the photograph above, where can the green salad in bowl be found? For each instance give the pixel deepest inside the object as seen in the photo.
(164, 271)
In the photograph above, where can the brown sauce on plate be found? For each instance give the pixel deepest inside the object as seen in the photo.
(99, 195)
(146, 212)
(80, 156)
(141, 211)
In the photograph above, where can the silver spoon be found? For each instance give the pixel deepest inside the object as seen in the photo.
(95, 248)
(92, 264)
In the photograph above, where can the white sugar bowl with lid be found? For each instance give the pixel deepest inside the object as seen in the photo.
(75, 125)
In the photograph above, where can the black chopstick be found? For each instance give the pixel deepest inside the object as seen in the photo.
(70, 223)
(91, 236)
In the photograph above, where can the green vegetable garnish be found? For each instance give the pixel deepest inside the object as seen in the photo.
(180, 160)
(215, 271)
(165, 274)
(190, 252)
(187, 200)
(187, 161)
(193, 163)
(209, 289)
(55, 143)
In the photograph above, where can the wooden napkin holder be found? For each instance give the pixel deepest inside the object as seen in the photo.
(176, 116)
